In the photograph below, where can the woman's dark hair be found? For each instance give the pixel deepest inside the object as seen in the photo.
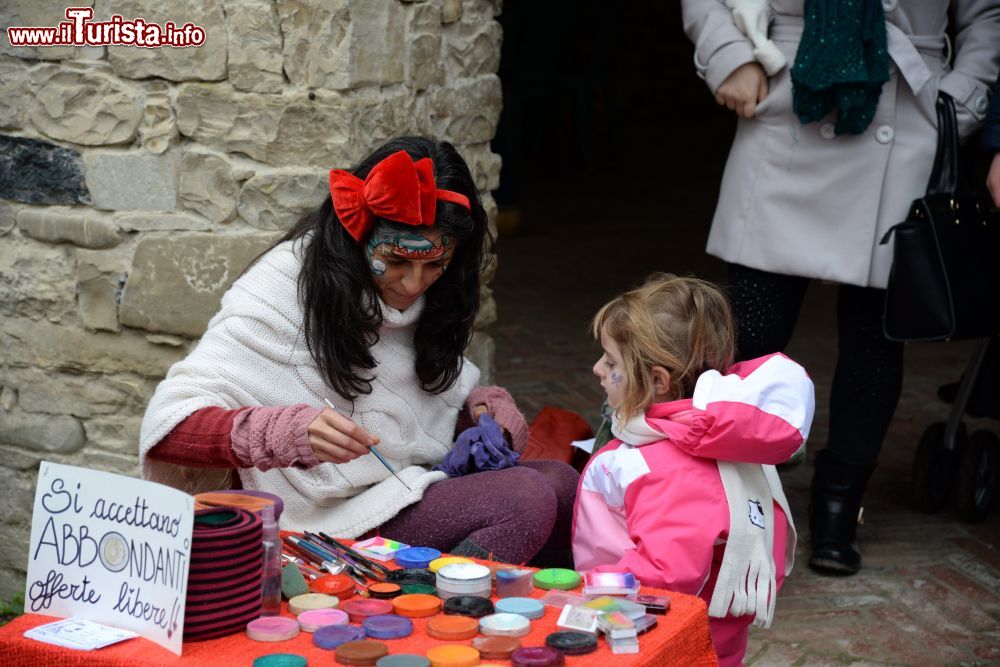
(338, 293)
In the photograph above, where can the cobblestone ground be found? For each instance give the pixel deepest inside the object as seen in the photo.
(929, 592)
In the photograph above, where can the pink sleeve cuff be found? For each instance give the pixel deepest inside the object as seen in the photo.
(501, 406)
(275, 437)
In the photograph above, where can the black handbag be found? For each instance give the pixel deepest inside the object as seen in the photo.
(944, 283)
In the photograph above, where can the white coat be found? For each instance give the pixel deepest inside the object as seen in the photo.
(797, 199)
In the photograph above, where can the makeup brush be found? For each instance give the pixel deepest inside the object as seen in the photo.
(377, 455)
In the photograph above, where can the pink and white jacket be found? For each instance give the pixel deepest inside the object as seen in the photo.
(656, 506)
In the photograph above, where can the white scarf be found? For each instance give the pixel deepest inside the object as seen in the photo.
(746, 583)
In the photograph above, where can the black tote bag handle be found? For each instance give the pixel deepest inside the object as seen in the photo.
(945, 177)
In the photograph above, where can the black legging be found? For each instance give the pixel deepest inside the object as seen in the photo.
(869, 373)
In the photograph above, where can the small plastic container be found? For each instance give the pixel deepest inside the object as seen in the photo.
(314, 619)
(527, 607)
(416, 605)
(514, 583)
(388, 626)
(452, 628)
(496, 648)
(464, 579)
(453, 655)
(384, 591)
(307, 601)
(537, 656)
(438, 563)
(361, 653)
(416, 557)
(272, 628)
(504, 625)
(331, 636)
(557, 577)
(403, 660)
(359, 610)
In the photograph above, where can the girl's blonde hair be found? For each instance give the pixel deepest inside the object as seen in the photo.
(683, 324)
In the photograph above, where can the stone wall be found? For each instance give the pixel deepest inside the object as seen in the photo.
(135, 184)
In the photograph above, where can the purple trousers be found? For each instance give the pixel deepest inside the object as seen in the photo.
(507, 515)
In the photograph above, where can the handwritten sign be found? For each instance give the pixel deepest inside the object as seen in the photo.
(110, 549)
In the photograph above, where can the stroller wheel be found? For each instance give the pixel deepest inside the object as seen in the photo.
(978, 469)
(933, 468)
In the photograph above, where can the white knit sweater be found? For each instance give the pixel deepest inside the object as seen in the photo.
(254, 354)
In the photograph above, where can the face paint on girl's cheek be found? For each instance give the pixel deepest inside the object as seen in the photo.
(616, 379)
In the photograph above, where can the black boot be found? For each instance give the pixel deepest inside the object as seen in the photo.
(835, 502)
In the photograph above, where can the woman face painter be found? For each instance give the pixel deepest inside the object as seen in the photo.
(349, 333)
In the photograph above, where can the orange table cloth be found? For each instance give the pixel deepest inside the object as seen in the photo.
(680, 638)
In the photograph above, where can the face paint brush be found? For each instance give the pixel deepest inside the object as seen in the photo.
(378, 567)
(378, 455)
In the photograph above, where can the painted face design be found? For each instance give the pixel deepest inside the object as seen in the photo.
(610, 370)
(406, 262)
(388, 244)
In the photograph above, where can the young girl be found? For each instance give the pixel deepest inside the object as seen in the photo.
(686, 496)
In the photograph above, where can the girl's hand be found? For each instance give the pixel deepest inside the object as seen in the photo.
(336, 439)
(743, 90)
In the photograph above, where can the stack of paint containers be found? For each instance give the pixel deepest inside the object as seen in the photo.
(464, 579)
(223, 592)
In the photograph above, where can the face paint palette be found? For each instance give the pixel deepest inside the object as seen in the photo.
(403, 660)
(409, 576)
(362, 652)
(422, 589)
(608, 604)
(610, 583)
(472, 606)
(332, 636)
(572, 643)
(314, 619)
(388, 626)
(307, 601)
(384, 591)
(379, 548)
(557, 577)
(452, 628)
(338, 585)
(537, 656)
(464, 579)
(654, 604)
(580, 619)
(417, 557)
(504, 625)
(281, 660)
(272, 629)
(526, 607)
(453, 655)
(417, 605)
(496, 648)
(438, 563)
(359, 610)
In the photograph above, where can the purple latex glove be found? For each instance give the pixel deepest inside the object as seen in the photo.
(478, 448)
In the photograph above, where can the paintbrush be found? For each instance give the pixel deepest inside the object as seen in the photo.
(378, 455)
(371, 564)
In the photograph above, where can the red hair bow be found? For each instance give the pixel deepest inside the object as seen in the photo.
(397, 189)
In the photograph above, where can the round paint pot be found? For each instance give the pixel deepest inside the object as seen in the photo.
(361, 652)
(307, 601)
(438, 563)
(504, 625)
(410, 589)
(453, 655)
(387, 626)
(537, 656)
(281, 660)
(496, 648)
(527, 607)
(332, 636)
(409, 576)
(572, 643)
(416, 605)
(473, 606)
(403, 660)
(338, 585)
(452, 628)
(557, 577)
(416, 557)
(314, 619)
(359, 610)
(272, 629)
(384, 591)
(464, 579)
